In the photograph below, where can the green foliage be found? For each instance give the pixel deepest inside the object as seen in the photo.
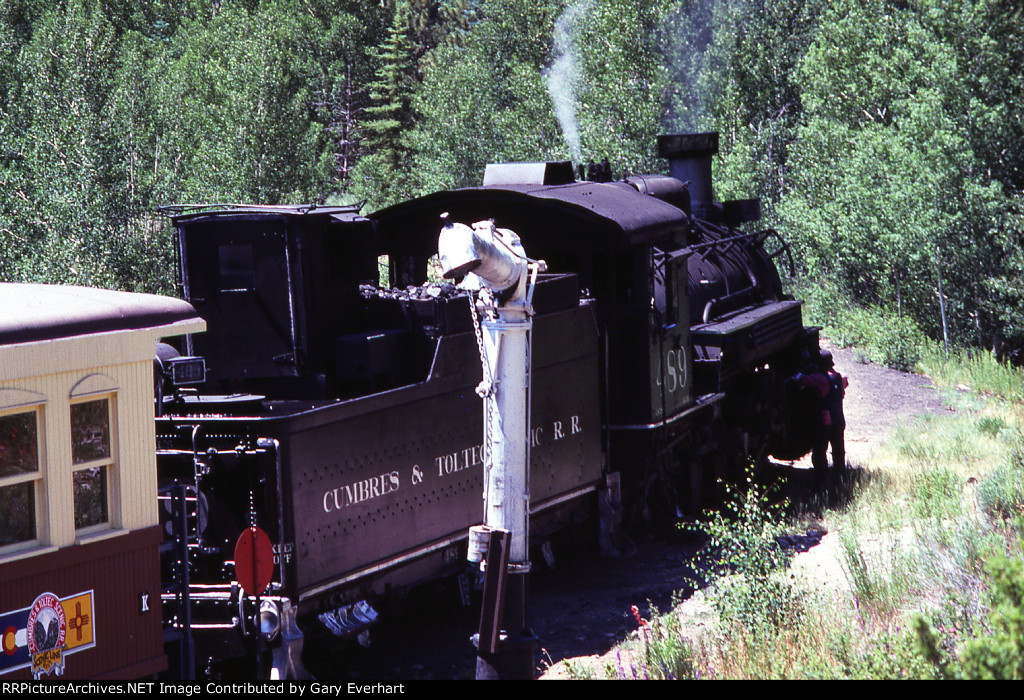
(389, 117)
(64, 205)
(1001, 491)
(483, 100)
(886, 338)
(873, 564)
(659, 653)
(731, 69)
(889, 340)
(892, 655)
(979, 371)
(743, 549)
(237, 104)
(492, 97)
(418, 41)
(937, 493)
(883, 137)
(888, 195)
(991, 426)
(999, 655)
(108, 110)
(621, 81)
(995, 653)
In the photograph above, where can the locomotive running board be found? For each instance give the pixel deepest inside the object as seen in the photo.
(703, 402)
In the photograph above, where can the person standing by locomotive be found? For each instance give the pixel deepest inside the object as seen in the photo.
(832, 410)
(826, 389)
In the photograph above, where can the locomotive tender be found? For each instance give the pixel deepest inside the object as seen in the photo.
(345, 422)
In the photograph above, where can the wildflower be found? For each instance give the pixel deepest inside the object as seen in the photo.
(645, 629)
(636, 614)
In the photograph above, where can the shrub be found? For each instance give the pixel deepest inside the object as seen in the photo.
(897, 343)
(1000, 654)
(887, 338)
(991, 426)
(977, 370)
(664, 653)
(937, 494)
(743, 545)
(1001, 491)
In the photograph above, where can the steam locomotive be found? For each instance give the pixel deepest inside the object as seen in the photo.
(334, 413)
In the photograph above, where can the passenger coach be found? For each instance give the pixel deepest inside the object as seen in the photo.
(79, 523)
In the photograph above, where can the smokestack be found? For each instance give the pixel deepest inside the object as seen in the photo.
(689, 160)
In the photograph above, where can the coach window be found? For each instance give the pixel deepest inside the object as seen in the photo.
(92, 458)
(20, 477)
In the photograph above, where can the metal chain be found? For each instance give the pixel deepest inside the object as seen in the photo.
(485, 389)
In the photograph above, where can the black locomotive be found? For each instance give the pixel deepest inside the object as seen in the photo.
(340, 415)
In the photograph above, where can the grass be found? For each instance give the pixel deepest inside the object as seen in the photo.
(977, 372)
(930, 549)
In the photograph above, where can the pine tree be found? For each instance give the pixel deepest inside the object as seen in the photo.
(384, 172)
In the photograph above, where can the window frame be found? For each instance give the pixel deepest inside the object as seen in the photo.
(108, 463)
(36, 478)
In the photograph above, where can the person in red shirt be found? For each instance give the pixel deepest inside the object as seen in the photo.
(829, 388)
(833, 403)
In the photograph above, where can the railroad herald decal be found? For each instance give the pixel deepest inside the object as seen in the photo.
(441, 466)
(42, 635)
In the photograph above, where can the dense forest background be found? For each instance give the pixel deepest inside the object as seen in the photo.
(885, 138)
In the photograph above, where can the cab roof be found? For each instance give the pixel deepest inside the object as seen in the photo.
(618, 215)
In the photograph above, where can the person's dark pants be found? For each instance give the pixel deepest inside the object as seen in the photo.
(837, 439)
(826, 435)
(819, 456)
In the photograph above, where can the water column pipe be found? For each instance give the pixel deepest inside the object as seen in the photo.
(493, 261)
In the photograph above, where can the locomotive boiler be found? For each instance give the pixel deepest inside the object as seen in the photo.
(338, 415)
